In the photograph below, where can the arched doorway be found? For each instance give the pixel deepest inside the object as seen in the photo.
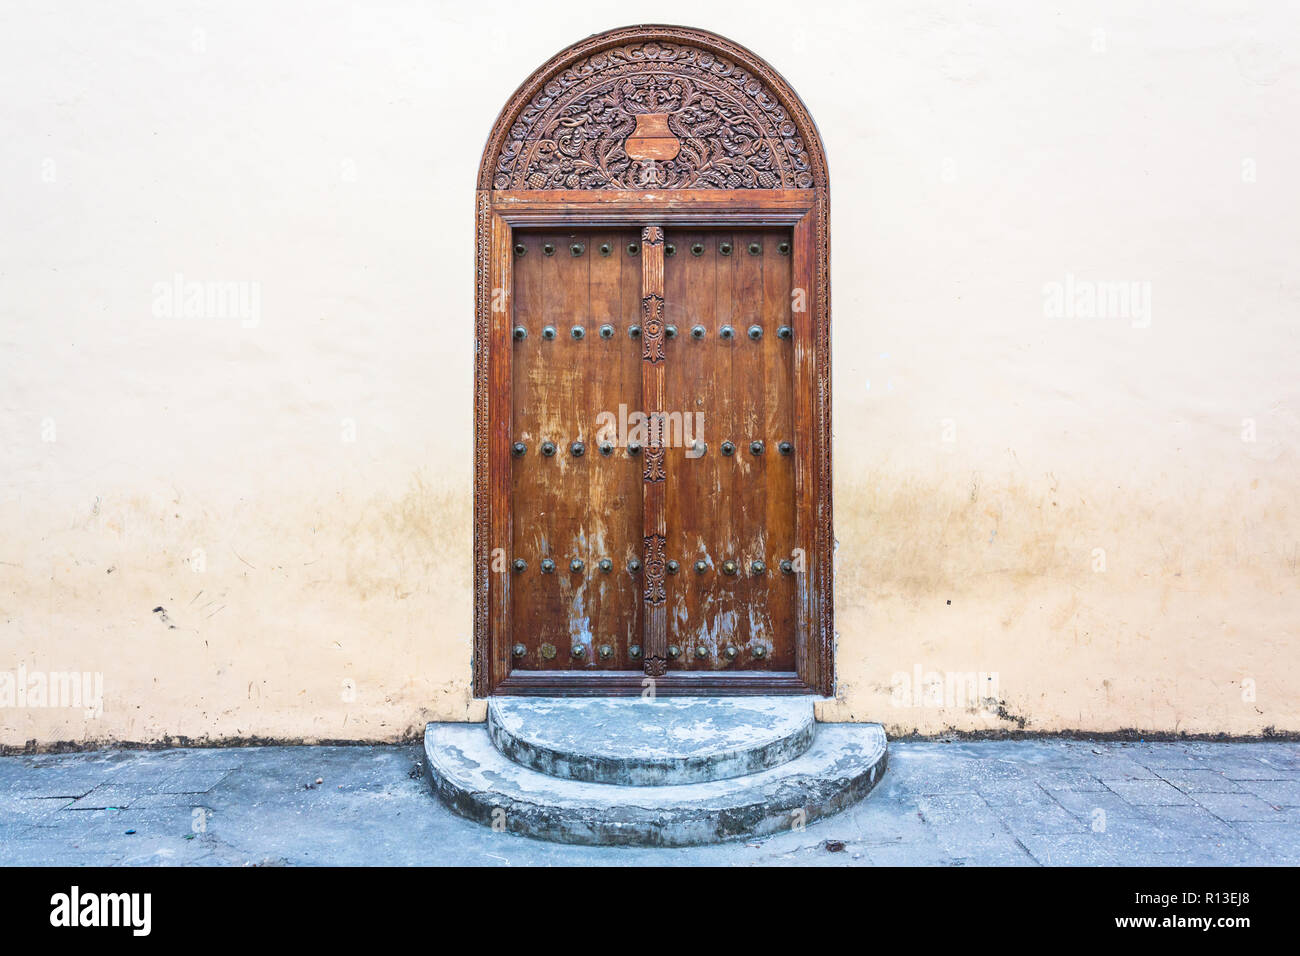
(652, 417)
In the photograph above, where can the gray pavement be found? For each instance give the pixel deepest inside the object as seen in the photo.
(1018, 803)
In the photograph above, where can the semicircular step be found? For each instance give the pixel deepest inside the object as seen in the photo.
(661, 742)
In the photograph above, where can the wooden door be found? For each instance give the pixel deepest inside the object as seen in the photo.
(652, 476)
(652, 498)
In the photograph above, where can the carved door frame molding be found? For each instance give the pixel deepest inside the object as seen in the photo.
(744, 152)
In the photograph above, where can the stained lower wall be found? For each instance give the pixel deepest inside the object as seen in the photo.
(257, 526)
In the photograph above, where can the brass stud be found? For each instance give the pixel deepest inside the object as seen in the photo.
(756, 448)
(755, 332)
(606, 565)
(607, 448)
(607, 331)
(728, 448)
(548, 651)
(697, 248)
(701, 652)
(577, 249)
(728, 567)
(579, 651)
(755, 248)
(518, 449)
(548, 333)
(674, 651)
(634, 651)
(521, 565)
(672, 567)
(670, 331)
(730, 653)
(634, 565)
(634, 331)
(697, 332)
(577, 449)
(724, 248)
(520, 650)
(787, 566)
(760, 651)
(726, 332)
(757, 567)
(606, 248)
(783, 247)
(606, 652)
(701, 567)
(577, 331)
(548, 248)
(521, 249)
(548, 566)
(633, 248)
(670, 249)
(633, 448)
(785, 332)
(699, 447)
(521, 333)
(548, 448)
(785, 448)
(576, 565)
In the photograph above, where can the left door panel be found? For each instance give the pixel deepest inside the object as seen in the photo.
(576, 502)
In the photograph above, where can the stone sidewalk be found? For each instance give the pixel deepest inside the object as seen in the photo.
(1019, 803)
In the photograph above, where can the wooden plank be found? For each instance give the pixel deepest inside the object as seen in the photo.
(613, 501)
(498, 440)
(774, 591)
(812, 649)
(654, 625)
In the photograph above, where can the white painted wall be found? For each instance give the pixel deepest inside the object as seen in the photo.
(324, 154)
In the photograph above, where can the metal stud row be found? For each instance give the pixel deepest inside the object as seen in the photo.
(606, 565)
(606, 651)
(577, 449)
(606, 448)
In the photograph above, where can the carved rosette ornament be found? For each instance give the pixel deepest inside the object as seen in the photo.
(655, 667)
(654, 463)
(652, 328)
(628, 115)
(655, 569)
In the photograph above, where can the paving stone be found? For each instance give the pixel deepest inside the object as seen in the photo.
(193, 781)
(1023, 821)
(1237, 806)
(954, 807)
(1280, 793)
(1068, 778)
(1148, 793)
(1014, 793)
(1068, 849)
(1248, 768)
(1202, 780)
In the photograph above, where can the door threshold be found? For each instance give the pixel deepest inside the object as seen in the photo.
(631, 683)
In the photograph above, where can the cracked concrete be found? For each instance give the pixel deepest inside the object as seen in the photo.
(1051, 802)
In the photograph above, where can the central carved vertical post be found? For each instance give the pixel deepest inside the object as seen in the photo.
(655, 635)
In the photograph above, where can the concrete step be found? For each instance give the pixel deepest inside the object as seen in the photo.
(473, 778)
(662, 742)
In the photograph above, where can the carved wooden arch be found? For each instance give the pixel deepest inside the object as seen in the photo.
(738, 123)
(685, 127)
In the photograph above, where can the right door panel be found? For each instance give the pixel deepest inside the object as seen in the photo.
(730, 505)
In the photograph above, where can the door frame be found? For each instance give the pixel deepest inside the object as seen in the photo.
(500, 212)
